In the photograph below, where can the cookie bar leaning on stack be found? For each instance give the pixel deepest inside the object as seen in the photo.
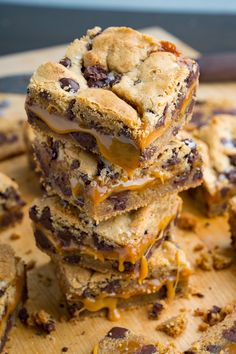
(88, 292)
(121, 340)
(218, 142)
(232, 220)
(12, 289)
(121, 244)
(12, 116)
(103, 190)
(220, 338)
(10, 202)
(122, 104)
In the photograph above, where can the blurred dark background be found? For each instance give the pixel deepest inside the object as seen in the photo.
(26, 27)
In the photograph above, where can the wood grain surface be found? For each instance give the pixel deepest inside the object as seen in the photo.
(218, 287)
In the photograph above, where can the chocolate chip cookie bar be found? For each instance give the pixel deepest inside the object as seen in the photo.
(121, 340)
(88, 292)
(12, 116)
(218, 141)
(12, 290)
(220, 338)
(232, 220)
(121, 244)
(10, 202)
(103, 190)
(204, 111)
(118, 93)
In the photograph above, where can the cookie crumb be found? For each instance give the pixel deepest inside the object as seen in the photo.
(203, 327)
(204, 261)
(187, 221)
(31, 264)
(155, 311)
(220, 261)
(174, 326)
(198, 294)
(40, 320)
(199, 312)
(198, 247)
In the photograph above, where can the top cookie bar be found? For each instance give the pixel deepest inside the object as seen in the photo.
(117, 92)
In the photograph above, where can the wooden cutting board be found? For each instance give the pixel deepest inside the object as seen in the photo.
(218, 287)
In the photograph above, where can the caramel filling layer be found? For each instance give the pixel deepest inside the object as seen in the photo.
(97, 194)
(120, 150)
(111, 302)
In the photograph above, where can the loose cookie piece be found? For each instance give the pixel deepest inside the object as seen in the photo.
(121, 340)
(12, 290)
(218, 339)
(10, 202)
(174, 326)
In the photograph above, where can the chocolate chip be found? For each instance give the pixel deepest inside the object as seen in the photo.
(197, 175)
(65, 62)
(2, 292)
(175, 131)
(160, 122)
(85, 140)
(64, 349)
(230, 334)
(72, 259)
(33, 214)
(147, 349)
(210, 316)
(69, 85)
(74, 307)
(99, 77)
(45, 95)
(214, 349)
(42, 242)
(181, 179)
(112, 287)
(87, 293)
(137, 82)
(118, 200)
(23, 315)
(117, 333)
(69, 113)
(155, 311)
(173, 160)
(63, 183)
(85, 178)
(101, 244)
(89, 46)
(188, 352)
(231, 175)
(148, 153)
(75, 164)
(232, 159)
(48, 326)
(45, 218)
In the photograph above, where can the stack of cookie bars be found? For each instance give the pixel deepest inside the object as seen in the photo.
(106, 119)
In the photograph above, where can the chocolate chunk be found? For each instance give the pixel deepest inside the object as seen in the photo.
(23, 315)
(86, 141)
(65, 62)
(181, 179)
(42, 241)
(175, 131)
(65, 237)
(72, 259)
(117, 333)
(214, 349)
(69, 85)
(64, 349)
(99, 77)
(75, 164)
(45, 95)
(148, 153)
(210, 316)
(70, 114)
(33, 214)
(231, 175)
(160, 122)
(85, 178)
(197, 175)
(2, 292)
(45, 218)
(112, 287)
(62, 181)
(101, 244)
(232, 159)
(173, 160)
(87, 293)
(230, 334)
(74, 307)
(156, 309)
(146, 349)
(118, 200)
(137, 82)
(188, 352)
